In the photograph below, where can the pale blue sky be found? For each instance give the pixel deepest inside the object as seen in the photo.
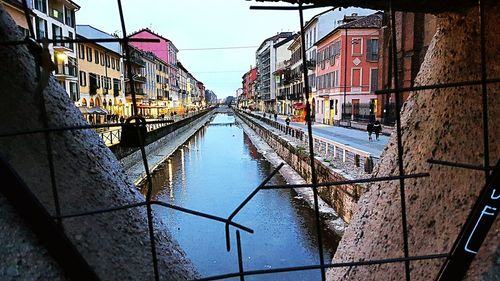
(199, 24)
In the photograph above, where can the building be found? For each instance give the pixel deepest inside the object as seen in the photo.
(165, 51)
(347, 70)
(136, 81)
(182, 79)
(248, 85)
(52, 19)
(55, 19)
(417, 29)
(100, 73)
(282, 75)
(266, 66)
(163, 100)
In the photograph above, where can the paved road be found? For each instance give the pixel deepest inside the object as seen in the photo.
(347, 136)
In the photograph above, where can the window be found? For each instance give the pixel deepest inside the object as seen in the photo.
(356, 77)
(93, 83)
(81, 51)
(118, 65)
(372, 50)
(113, 63)
(73, 91)
(41, 5)
(69, 17)
(41, 28)
(70, 36)
(56, 32)
(108, 61)
(96, 56)
(102, 59)
(89, 54)
(83, 78)
(373, 79)
(357, 46)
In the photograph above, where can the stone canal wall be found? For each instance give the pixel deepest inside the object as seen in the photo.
(343, 198)
(162, 143)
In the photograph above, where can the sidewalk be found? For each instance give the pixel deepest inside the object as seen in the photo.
(347, 136)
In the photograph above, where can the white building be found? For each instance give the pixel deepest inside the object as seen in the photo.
(56, 20)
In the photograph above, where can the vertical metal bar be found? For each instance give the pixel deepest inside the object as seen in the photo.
(240, 256)
(484, 90)
(311, 142)
(400, 143)
(143, 151)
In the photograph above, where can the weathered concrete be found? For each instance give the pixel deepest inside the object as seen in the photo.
(330, 218)
(88, 177)
(342, 199)
(442, 124)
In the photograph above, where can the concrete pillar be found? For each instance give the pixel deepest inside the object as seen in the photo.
(442, 124)
(88, 177)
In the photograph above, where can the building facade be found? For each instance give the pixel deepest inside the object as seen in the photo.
(100, 73)
(266, 66)
(347, 70)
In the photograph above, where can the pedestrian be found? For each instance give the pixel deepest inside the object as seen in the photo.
(369, 128)
(377, 128)
(264, 115)
(122, 119)
(287, 121)
(275, 116)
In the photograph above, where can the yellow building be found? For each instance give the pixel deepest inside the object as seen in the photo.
(100, 75)
(162, 88)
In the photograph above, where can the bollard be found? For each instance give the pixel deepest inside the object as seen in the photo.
(368, 165)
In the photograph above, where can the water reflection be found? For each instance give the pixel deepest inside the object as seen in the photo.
(230, 169)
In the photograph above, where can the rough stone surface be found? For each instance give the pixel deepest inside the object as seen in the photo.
(88, 177)
(442, 124)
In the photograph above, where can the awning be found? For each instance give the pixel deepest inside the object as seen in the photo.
(93, 110)
(298, 106)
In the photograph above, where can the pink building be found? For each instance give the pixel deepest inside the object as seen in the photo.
(350, 77)
(165, 50)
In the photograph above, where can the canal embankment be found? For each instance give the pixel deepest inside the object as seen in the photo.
(291, 146)
(161, 143)
(329, 216)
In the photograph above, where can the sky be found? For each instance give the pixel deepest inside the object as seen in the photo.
(194, 24)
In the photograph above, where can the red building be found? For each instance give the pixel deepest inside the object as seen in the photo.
(248, 86)
(347, 70)
(414, 32)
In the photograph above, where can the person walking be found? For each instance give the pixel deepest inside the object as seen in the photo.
(275, 116)
(369, 129)
(377, 128)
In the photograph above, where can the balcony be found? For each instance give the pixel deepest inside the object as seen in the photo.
(135, 59)
(138, 91)
(311, 64)
(60, 46)
(65, 71)
(139, 78)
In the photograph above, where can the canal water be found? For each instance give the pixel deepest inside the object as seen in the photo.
(213, 172)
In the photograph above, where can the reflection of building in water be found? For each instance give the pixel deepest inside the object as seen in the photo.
(170, 179)
(183, 171)
(252, 150)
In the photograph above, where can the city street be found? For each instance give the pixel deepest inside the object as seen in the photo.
(347, 136)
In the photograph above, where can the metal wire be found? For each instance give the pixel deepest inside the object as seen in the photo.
(46, 130)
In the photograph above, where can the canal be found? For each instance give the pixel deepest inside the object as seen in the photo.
(213, 172)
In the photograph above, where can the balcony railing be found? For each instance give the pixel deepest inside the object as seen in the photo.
(59, 45)
(137, 78)
(66, 70)
(137, 60)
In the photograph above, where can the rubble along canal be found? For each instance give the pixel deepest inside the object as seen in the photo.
(213, 172)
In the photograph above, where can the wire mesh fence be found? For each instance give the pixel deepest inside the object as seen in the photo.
(39, 50)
